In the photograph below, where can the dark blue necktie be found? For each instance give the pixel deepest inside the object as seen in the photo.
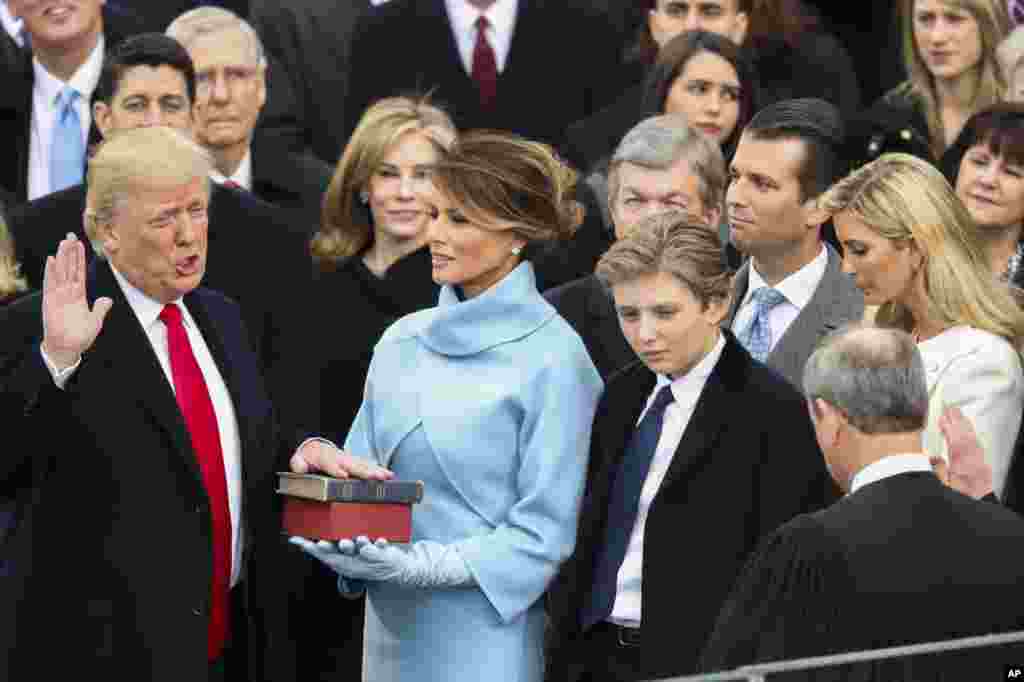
(622, 508)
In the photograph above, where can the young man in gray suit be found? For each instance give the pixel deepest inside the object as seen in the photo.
(791, 290)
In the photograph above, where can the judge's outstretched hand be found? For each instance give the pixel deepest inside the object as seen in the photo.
(69, 326)
(967, 471)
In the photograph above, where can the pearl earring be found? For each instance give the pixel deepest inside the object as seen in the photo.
(516, 250)
(364, 197)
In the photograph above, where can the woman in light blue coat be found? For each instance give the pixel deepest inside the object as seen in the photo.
(489, 399)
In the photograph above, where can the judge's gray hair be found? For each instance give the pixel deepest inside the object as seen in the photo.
(875, 376)
(658, 143)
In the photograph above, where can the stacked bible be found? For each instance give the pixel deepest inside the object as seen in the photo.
(325, 508)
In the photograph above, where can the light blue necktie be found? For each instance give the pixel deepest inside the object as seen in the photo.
(67, 151)
(757, 337)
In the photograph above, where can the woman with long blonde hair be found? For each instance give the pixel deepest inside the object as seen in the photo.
(949, 53)
(915, 252)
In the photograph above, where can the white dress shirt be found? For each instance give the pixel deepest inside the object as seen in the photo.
(686, 392)
(502, 17)
(12, 25)
(44, 115)
(798, 288)
(148, 311)
(242, 175)
(893, 465)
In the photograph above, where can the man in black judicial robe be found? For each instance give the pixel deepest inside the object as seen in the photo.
(901, 559)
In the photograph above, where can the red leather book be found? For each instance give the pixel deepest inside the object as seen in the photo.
(339, 520)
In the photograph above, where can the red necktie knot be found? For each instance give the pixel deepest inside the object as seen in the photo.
(485, 65)
(170, 315)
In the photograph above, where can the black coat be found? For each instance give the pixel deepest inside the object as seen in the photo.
(311, 39)
(356, 307)
(16, 107)
(539, 94)
(111, 549)
(589, 310)
(726, 488)
(902, 560)
(293, 182)
(256, 256)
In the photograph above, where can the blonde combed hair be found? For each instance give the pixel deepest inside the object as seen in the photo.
(11, 281)
(907, 200)
(139, 156)
(993, 26)
(677, 243)
(346, 227)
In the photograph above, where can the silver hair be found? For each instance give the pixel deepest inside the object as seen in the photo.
(202, 21)
(875, 376)
(658, 143)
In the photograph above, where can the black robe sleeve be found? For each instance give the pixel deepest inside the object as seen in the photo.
(788, 602)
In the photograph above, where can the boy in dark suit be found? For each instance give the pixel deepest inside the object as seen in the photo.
(676, 496)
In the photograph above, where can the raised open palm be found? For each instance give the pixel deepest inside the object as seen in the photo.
(69, 326)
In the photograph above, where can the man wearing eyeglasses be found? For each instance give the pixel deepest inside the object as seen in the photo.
(231, 89)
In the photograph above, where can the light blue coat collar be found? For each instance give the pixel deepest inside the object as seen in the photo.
(509, 310)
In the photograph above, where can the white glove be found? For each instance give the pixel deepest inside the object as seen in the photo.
(424, 564)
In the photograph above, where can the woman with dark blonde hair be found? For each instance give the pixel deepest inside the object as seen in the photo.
(372, 262)
(915, 252)
(488, 398)
(949, 53)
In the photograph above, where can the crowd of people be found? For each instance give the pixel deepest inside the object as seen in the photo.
(703, 329)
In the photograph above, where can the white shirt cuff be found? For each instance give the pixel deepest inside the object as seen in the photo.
(61, 376)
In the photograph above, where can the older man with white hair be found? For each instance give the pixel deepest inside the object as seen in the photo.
(231, 91)
(147, 543)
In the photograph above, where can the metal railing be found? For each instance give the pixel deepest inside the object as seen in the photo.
(759, 672)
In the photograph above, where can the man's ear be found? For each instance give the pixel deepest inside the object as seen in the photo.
(101, 115)
(814, 215)
(829, 420)
(738, 34)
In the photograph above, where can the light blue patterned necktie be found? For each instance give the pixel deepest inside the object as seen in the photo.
(757, 337)
(67, 151)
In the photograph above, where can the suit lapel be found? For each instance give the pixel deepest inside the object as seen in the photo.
(709, 416)
(739, 291)
(124, 348)
(813, 322)
(525, 34)
(214, 337)
(627, 396)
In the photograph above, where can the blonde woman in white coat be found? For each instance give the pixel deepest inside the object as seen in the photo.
(914, 251)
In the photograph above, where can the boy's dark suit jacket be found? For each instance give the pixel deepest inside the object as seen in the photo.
(111, 549)
(729, 484)
(561, 54)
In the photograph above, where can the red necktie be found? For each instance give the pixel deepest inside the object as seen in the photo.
(233, 185)
(485, 66)
(197, 409)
